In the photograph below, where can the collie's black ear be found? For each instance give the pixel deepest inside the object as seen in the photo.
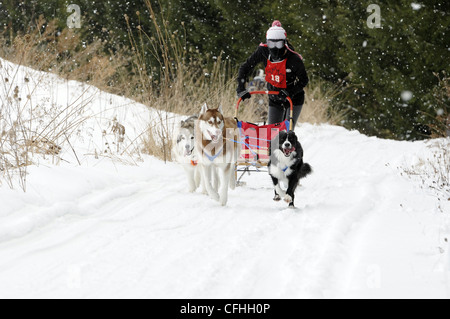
(293, 137)
(283, 135)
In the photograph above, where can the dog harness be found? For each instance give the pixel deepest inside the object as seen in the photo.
(212, 158)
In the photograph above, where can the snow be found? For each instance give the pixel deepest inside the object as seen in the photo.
(416, 6)
(107, 229)
(407, 96)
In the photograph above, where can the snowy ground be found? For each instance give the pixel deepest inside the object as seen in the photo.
(106, 229)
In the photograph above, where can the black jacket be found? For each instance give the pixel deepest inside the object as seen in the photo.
(296, 80)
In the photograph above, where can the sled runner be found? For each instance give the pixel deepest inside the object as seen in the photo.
(256, 139)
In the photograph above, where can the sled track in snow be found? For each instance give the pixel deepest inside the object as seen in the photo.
(138, 233)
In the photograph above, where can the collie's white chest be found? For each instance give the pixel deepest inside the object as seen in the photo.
(282, 167)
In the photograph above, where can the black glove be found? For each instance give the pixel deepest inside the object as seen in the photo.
(244, 95)
(283, 95)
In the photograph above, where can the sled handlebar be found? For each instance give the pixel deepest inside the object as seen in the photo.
(269, 93)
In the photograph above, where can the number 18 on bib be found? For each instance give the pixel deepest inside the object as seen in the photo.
(276, 74)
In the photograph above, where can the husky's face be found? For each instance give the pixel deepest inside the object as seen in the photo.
(186, 142)
(211, 123)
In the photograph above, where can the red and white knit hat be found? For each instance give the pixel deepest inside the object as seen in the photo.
(276, 32)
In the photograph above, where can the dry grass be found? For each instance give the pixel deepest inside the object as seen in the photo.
(320, 104)
(158, 138)
(46, 49)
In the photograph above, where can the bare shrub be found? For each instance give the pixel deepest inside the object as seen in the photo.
(433, 173)
(31, 129)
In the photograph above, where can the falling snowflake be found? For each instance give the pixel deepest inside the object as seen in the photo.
(416, 6)
(407, 96)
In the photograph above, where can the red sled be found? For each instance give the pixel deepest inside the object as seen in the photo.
(256, 139)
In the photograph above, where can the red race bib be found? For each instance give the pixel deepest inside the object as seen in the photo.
(276, 74)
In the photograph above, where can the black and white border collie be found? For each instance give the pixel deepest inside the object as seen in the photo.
(286, 165)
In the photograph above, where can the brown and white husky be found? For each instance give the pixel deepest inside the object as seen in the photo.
(217, 151)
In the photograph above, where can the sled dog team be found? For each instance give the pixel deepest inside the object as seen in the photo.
(208, 147)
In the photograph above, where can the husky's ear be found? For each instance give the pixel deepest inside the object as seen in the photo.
(205, 109)
(220, 109)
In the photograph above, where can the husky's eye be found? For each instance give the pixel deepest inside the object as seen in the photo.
(192, 137)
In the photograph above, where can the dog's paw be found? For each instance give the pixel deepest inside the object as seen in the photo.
(288, 199)
(192, 189)
(277, 198)
(215, 196)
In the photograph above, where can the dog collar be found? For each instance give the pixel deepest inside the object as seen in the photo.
(284, 170)
(194, 163)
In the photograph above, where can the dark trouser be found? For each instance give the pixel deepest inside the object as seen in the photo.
(280, 114)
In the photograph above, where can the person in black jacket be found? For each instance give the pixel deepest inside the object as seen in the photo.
(285, 73)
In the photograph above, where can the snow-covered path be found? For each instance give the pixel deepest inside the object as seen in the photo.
(360, 230)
